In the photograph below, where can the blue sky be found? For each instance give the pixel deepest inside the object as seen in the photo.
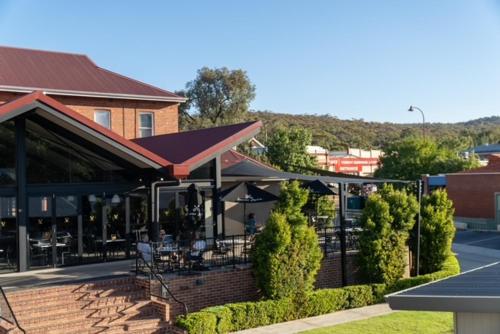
(351, 59)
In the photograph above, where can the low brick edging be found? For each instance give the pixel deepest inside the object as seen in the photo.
(232, 285)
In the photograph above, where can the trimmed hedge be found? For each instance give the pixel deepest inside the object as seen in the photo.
(238, 316)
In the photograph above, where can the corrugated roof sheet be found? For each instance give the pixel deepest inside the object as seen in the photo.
(47, 70)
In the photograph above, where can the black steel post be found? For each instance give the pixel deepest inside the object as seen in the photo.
(419, 217)
(54, 229)
(21, 200)
(216, 202)
(343, 248)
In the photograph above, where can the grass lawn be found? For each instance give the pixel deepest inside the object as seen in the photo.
(403, 322)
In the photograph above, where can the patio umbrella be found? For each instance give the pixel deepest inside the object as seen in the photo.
(318, 188)
(247, 193)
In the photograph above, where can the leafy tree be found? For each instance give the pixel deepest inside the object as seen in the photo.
(286, 149)
(387, 219)
(287, 255)
(219, 96)
(410, 158)
(437, 231)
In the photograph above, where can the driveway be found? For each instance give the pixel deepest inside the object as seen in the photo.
(476, 249)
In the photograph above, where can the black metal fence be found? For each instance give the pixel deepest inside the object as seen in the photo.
(329, 239)
(203, 254)
(198, 255)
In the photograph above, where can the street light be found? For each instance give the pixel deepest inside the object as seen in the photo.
(412, 109)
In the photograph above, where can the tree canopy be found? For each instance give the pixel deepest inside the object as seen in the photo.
(217, 96)
(412, 157)
(286, 149)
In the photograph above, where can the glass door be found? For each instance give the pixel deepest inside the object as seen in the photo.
(53, 231)
(41, 228)
(67, 230)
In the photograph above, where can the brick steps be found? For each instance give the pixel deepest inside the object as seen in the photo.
(112, 307)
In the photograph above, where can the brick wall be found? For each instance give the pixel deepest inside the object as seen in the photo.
(473, 195)
(330, 274)
(237, 285)
(124, 113)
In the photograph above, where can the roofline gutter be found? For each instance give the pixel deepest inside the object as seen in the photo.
(62, 92)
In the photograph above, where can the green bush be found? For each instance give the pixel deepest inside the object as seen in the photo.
(198, 323)
(387, 219)
(240, 316)
(324, 301)
(359, 295)
(287, 255)
(437, 231)
(223, 318)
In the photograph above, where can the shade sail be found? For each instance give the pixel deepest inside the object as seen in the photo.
(248, 168)
(245, 192)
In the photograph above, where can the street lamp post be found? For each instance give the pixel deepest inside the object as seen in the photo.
(412, 109)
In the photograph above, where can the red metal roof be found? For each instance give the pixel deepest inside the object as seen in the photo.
(191, 147)
(232, 157)
(26, 100)
(180, 153)
(63, 73)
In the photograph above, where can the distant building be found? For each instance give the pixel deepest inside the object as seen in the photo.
(483, 152)
(354, 161)
(476, 195)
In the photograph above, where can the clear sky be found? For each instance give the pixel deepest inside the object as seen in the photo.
(351, 59)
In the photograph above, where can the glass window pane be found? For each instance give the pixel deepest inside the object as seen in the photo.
(7, 149)
(146, 120)
(103, 117)
(146, 132)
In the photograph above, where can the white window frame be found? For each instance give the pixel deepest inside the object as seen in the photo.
(103, 111)
(152, 123)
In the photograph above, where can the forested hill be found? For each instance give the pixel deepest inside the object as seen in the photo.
(336, 134)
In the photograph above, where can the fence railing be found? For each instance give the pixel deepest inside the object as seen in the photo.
(329, 239)
(203, 254)
(198, 255)
(6, 312)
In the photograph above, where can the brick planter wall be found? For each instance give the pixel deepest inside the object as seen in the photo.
(217, 287)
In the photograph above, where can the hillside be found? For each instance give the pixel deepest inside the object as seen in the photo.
(336, 134)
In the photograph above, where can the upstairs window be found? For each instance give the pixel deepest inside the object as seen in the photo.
(103, 117)
(146, 124)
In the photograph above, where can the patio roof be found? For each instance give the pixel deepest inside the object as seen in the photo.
(250, 169)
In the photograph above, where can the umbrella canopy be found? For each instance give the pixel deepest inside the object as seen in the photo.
(245, 192)
(319, 187)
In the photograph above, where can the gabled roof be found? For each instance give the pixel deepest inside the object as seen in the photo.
(179, 153)
(194, 148)
(485, 149)
(58, 73)
(58, 112)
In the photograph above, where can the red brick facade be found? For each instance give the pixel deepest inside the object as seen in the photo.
(473, 194)
(124, 113)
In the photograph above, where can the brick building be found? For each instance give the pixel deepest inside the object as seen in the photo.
(476, 195)
(91, 158)
(354, 161)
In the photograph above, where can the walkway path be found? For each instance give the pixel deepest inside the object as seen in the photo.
(66, 274)
(326, 320)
